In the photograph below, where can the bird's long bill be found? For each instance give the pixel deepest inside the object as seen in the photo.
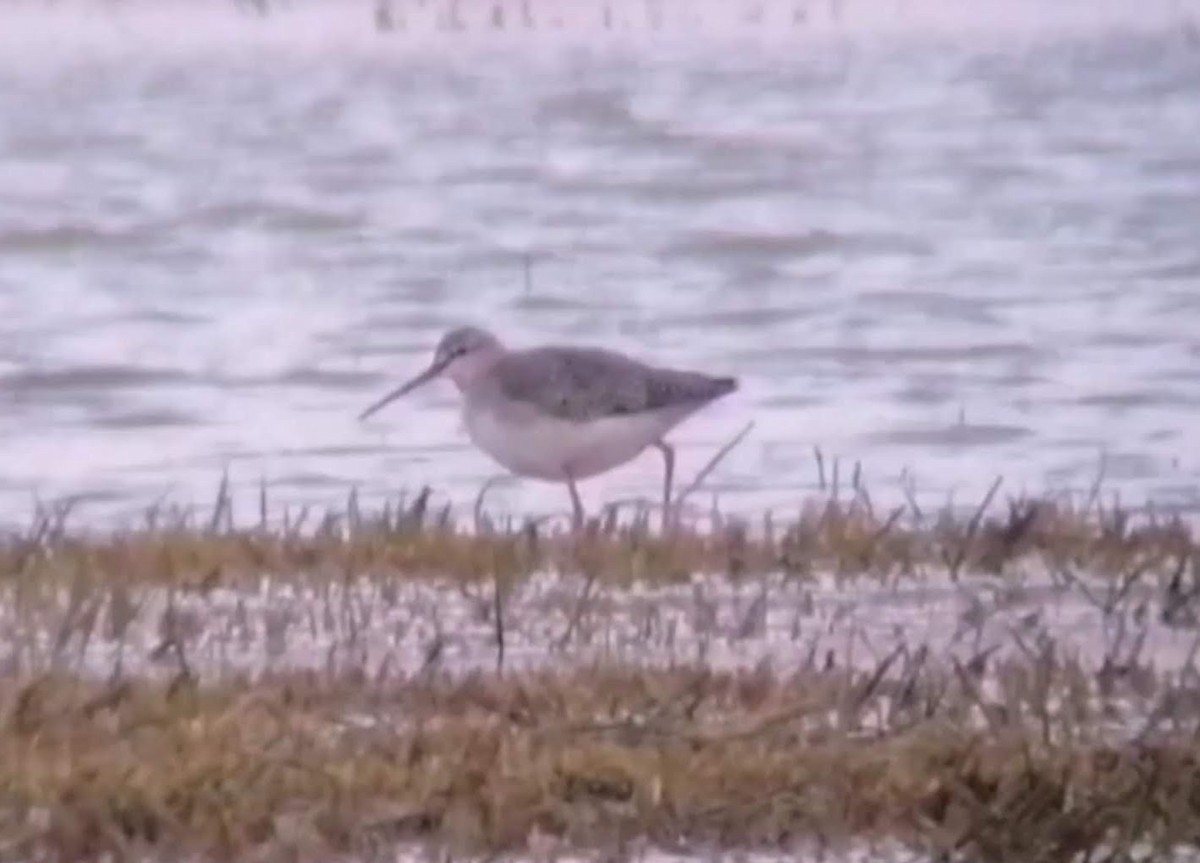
(423, 378)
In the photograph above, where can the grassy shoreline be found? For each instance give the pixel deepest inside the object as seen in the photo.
(669, 703)
(592, 759)
(837, 532)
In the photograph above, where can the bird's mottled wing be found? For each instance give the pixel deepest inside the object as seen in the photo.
(588, 383)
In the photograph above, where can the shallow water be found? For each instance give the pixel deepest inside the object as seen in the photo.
(402, 628)
(947, 252)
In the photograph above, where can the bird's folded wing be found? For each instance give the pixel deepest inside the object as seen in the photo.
(581, 384)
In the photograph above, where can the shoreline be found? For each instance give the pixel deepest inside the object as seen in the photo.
(602, 23)
(393, 679)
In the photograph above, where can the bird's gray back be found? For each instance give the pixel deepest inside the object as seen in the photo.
(588, 383)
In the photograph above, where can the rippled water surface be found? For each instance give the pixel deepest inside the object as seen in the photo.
(949, 255)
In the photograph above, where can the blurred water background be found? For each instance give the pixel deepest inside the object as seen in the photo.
(947, 241)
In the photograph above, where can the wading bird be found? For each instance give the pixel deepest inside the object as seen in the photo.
(563, 414)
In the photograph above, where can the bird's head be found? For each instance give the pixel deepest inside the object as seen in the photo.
(462, 355)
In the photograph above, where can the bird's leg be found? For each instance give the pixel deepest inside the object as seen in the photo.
(668, 453)
(576, 504)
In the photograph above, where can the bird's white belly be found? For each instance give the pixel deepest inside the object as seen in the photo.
(549, 448)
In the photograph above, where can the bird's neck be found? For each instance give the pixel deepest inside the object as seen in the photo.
(466, 371)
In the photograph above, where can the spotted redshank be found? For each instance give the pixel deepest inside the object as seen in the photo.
(561, 413)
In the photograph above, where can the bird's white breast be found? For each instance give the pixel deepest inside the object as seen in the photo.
(545, 447)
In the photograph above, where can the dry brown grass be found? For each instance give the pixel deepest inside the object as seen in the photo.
(1033, 755)
(835, 533)
(307, 766)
